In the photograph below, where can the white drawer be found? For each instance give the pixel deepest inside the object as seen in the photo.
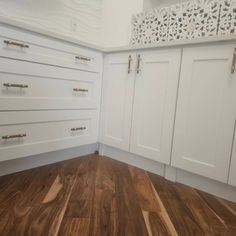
(32, 86)
(28, 46)
(34, 132)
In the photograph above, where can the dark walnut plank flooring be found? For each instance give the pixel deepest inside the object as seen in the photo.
(98, 196)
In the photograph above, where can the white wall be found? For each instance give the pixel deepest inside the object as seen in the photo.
(149, 4)
(116, 21)
(77, 18)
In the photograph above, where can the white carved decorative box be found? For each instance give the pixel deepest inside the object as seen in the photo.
(150, 27)
(193, 19)
(227, 25)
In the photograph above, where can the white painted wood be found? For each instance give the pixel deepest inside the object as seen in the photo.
(154, 104)
(45, 131)
(205, 112)
(117, 100)
(49, 87)
(132, 159)
(47, 51)
(170, 173)
(26, 163)
(76, 18)
(232, 173)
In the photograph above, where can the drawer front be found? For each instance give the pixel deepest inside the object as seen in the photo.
(27, 46)
(31, 86)
(38, 132)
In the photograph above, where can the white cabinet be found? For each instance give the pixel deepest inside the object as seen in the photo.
(232, 174)
(138, 107)
(118, 90)
(25, 133)
(205, 118)
(154, 104)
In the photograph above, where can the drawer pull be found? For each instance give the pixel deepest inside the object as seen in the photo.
(80, 90)
(78, 129)
(6, 137)
(138, 64)
(8, 85)
(22, 45)
(83, 58)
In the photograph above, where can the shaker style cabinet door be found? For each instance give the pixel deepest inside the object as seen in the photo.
(154, 104)
(117, 100)
(232, 174)
(205, 118)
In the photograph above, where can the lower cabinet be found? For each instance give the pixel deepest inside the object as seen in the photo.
(139, 97)
(25, 133)
(206, 112)
(117, 100)
(154, 104)
(232, 173)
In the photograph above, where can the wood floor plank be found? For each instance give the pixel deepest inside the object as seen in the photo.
(181, 217)
(206, 219)
(103, 220)
(74, 227)
(150, 203)
(220, 211)
(44, 218)
(81, 200)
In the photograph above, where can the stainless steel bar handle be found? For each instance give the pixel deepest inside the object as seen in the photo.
(6, 137)
(138, 64)
(22, 45)
(80, 90)
(8, 85)
(233, 62)
(79, 128)
(83, 58)
(129, 64)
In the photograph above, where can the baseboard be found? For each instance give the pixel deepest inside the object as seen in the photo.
(13, 166)
(171, 173)
(132, 159)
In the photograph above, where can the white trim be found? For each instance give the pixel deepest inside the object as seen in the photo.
(132, 159)
(13, 166)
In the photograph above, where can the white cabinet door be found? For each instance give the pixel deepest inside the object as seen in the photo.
(154, 104)
(117, 101)
(232, 175)
(205, 116)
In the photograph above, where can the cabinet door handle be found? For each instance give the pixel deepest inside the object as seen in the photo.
(233, 62)
(78, 129)
(8, 85)
(6, 137)
(129, 64)
(83, 58)
(80, 90)
(138, 64)
(22, 45)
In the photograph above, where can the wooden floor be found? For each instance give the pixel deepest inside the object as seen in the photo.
(96, 195)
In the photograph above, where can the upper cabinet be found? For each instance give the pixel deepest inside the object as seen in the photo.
(117, 100)
(205, 118)
(154, 104)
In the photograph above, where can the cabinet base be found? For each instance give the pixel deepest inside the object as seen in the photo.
(21, 164)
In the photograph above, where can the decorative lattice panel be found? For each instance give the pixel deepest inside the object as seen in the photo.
(227, 24)
(150, 27)
(193, 19)
(187, 20)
